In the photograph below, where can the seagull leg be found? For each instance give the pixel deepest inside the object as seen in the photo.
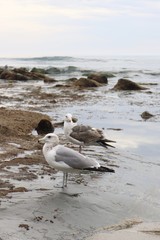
(65, 177)
(80, 148)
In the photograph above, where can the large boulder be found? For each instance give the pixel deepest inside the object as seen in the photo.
(86, 83)
(125, 84)
(98, 78)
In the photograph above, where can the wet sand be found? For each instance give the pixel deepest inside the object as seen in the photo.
(129, 230)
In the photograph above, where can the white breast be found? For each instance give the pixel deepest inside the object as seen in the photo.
(68, 127)
(49, 154)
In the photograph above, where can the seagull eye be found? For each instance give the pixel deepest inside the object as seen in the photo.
(49, 136)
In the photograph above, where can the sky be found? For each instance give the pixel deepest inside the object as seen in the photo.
(34, 28)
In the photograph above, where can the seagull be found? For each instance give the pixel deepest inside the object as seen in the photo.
(66, 159)
(84, 135)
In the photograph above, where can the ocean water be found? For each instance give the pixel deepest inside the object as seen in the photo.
(148, 65)
(133, 191)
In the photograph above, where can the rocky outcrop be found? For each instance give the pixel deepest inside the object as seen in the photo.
(11, 75)
(18, 123)
(125, 84)
(22, 74)
(38, 70)
(100, 78)
(93, 80)
(86, 83)
(89, 73)
(53, 70)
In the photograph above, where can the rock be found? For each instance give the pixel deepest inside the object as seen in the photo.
(38, 70)
(44, 127)
(22, 74)
(21, 77)
(11, 75)
(21, 70)
(48, 79)
(6, 74)
(40, 76)
(72, 79)
(86, 83)
(1, 70)
(146, 115)
(74, 119)
(125, 84)
(18, 123)
(87, 73)
(108, 74)
(70, 69)
(53, 70)
(98, 78)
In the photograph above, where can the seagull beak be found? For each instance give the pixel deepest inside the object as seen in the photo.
(67, 119)
(41, 140)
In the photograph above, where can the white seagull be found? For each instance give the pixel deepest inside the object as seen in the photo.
(67, 160)
(84, 135)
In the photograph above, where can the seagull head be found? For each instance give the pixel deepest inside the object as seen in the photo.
(51, 138)
(68, 117)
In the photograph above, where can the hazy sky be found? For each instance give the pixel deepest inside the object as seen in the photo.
(79, 27)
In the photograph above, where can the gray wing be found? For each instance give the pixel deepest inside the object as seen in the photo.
(88, 135)
(85, 134)
(81, 128)
(74, 159)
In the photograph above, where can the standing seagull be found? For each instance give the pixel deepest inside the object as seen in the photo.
(84, 135)
(66, 159)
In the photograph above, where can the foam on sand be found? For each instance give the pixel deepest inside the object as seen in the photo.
(131, 229)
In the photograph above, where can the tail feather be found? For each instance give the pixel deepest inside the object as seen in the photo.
(108, 140)
(104, 144)
(101, 169)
